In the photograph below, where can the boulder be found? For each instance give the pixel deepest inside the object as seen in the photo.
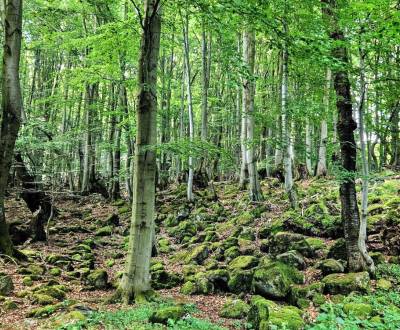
(243, 262)
(292, 258)
(275, 279)
(359, 310)
(240, 280)
(98, 279)
(302, 295)
(346, 283)
(6, 284)
(104, 231)
(330, 266)
(198, 254)
(234, 309)
(259, 313)
(286, 241)
(163, 314)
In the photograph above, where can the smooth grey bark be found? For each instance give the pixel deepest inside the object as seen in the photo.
(190, 195)
(135, 284)
(365, 169)
(322, 169)
(286, 129)
(308, 147)
(11, 108)
(249, 52)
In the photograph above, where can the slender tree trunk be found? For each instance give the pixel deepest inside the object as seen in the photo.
(249, 51)
(365, 170)
(287, 157)
(190, 196)
(322, 167)
(346, 126)
(11, 108)
(308, 148)
(135, 283)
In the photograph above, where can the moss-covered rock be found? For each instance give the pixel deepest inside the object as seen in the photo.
(9, 305)
(330, 266)
(104, 231)
(42, 299)
(286, 317)
(259, 313)
(377, 257)
(384, 284)
(55, 291)
(316, 244)
(244, 219)
(98, 279)
(292, 258)
(346, 283)
(299, 293)
(240, 281)
(231, 253)
(45, 311)
(198, 254)
(234, 309)
(185, 229)
(6, 284)
(359, 310)
(188, 288)
(338, 250)
(161, 279)
(286, 241)
(243, 262)
(164, 314)
(55, 271)
(274, 280)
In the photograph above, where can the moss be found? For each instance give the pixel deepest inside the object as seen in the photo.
(104, 231)
(377, 257)
(42, 299)
(243, 262)
(244, 219)
(198, 254)
(274, 281)
(6, 284)
(286, 241)
(234, 309)
(240, 281)
(384, 284)
(98, 279)
(231, 253)
(346, 283)
(288, 317)
(124, 209)
(318, 299)
(338, 250)
(167, 313)
(308, 292)
(188, 288)
(110, 262)
(44, 311)
(9, 305)
(359, 310)
(156, 266)
(55, 271)
(259, 313)
(316, 244)
(27, 281)
(330, 266)
(52, 291)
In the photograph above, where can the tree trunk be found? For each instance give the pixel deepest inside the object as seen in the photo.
(345, 127)
(287, 157)
(322, 167)
(190, 196)
(249, 52)
(308, 148)
(365, 170)
(136, 280)
(11, 108)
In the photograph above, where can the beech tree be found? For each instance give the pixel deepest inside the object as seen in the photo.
(11, 112)
(135, 284)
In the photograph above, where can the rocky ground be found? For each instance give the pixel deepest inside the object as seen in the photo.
(229, 262)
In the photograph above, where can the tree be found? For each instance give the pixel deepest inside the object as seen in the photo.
(135, 284)
(11, 108)
(345, 126)
(249, 52)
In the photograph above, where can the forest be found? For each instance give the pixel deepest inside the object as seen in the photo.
(200, 164)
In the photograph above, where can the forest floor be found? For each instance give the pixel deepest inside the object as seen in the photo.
(212, 257)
